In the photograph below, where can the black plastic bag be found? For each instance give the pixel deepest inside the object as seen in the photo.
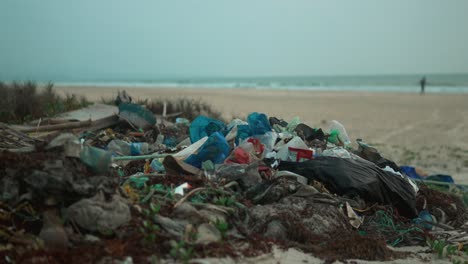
(358, 177)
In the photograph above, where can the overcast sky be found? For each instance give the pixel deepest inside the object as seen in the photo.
(114, 40)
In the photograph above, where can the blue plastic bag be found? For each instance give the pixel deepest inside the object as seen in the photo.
(258, 123)
(204, 126)
(441, 178)
(411, 172)
(215, 149)
(243, 132)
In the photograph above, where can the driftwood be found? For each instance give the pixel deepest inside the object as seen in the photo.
(49, 121)
(11, 138)
(69, 125)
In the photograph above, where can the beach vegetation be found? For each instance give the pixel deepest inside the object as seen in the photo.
(222, 226)
(184, 107)
(181, 251)
(26, 101)
(456, 253)
(148, 229)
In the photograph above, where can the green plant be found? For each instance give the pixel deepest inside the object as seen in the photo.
(225, 200)
(444, 249)
(148, 229)
(25, 101)
(222, 226)
(181, 251)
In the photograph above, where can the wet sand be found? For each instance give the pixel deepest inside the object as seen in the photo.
(429, 131)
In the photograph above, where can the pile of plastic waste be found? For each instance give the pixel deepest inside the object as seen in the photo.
(142, 190)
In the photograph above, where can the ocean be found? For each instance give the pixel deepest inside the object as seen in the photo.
(435, 83)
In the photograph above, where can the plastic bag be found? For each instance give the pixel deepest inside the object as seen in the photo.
(338, 152)
(97, 160)
(243, 132)
(204, 126)
(243, 154)
(293, 124)
(358, 178)
(338, 133)
(295, 142)
(268, 140)
(258, 123)
(215, 149)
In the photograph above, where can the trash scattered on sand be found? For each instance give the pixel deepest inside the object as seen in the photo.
(134, 189)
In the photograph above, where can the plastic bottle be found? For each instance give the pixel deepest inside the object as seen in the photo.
(342, 135)
(126, 148)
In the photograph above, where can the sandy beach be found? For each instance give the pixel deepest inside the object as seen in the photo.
(430, 131)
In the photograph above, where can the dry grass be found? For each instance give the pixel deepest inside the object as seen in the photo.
(24, 101)
(188, 107)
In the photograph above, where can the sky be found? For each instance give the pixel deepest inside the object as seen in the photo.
(144, 40)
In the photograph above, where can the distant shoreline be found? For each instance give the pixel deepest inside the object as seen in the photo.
(338, 88)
